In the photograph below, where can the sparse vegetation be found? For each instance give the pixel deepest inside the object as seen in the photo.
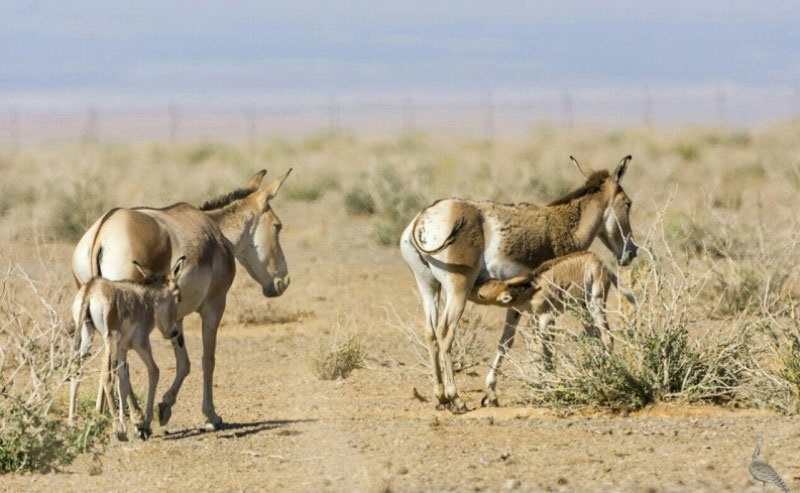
(34, 366)
(338, 356)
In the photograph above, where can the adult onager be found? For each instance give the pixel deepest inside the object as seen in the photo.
(124, 313)
(453, 243)
(239, 225)
(580, 278)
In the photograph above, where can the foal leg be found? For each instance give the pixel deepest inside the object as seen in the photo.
(142, 424)
(503, 345)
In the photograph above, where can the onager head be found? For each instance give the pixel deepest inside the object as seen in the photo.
(510, 292)
(616, 233)
(166, 297)
(259, 248)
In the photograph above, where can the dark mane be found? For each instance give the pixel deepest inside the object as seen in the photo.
(222, 201)
(592, 185)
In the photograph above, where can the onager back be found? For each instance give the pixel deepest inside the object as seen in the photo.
(124, 313)
(453, 244)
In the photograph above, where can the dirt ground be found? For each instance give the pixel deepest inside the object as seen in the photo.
(287, 430)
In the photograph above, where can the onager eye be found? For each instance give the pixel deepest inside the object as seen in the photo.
(278, 227)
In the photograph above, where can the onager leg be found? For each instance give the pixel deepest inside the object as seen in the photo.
(182, 367)
(429, 290)
(445, 333)
(503, 345)
(211, 314)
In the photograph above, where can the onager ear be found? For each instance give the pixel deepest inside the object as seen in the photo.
(271, 189)
(140, 269)
(621, 167)
(255, 181)
(178, 267)
(585, 173)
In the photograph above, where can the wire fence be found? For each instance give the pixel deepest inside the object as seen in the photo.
(483, 116)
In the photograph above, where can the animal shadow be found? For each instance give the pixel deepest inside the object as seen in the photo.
(235, 430)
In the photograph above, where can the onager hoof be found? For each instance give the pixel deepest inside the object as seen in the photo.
(489, 401)
(120, 432)
(144, 432)
(164, 412)
(213, 424)
(458, 407)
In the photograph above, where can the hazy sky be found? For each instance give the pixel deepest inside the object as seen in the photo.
(84, 49)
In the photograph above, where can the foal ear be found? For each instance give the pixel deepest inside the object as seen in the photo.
(621, 167)
(585, 173)
(255, 181)
(178, 267)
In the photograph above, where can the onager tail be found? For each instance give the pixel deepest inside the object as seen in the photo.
(447, 242)
(84, 318)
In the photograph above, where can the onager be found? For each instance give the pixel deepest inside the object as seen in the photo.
(454, 243)
(124, 313)
(239, 225)
(548, 291)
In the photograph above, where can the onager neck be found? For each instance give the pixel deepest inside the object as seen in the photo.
(231, 220)
(591, 209)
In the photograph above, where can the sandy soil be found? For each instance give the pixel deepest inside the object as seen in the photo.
(286, 430)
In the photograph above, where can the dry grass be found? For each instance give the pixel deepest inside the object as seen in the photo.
(716, 208)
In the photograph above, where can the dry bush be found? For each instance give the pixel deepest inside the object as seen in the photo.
(664, 350)
(337, 356)
(35, 364)
(467, 350)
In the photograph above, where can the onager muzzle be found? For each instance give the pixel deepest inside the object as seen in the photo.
(279, 285)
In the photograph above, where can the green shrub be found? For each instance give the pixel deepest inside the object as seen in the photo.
(76, 208)
(359, 202)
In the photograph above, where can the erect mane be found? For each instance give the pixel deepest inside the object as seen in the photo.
(592, 185)
(227, 199)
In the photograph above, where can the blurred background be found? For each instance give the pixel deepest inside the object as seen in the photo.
(179, 70)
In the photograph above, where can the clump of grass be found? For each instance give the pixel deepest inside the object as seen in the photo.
(359, 202)
(34, 366)
(77, 207)
(338, 356)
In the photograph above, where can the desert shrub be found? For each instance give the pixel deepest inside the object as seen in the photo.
(359, 202)
(34, 366)
(688, 151)
(78, 206)
(338, 356)
(304, 192)
(313, 189)
(207, 151)
(396, 205)
(655, 357)
(777, 379)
